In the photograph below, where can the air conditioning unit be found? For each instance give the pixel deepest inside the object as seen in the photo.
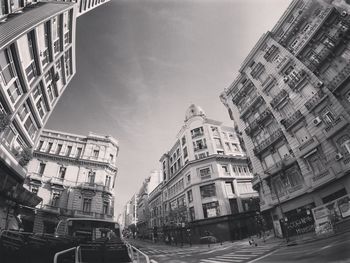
(319, 84)
(317, 121)
(338, 156)
(344, 13)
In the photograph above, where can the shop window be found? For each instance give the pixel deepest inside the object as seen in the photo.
(211, 209)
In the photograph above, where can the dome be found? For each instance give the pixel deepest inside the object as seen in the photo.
(194, 111)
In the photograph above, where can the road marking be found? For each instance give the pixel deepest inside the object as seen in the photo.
(264, 256)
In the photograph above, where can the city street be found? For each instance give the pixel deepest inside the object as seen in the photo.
(239, 251)
(332, 249)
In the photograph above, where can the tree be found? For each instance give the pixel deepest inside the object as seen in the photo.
(25, 156)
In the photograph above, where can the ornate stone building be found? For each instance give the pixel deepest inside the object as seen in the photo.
(291, 103)
(74, 175)
(206, 180)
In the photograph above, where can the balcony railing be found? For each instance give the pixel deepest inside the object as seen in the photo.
(275, 136)
(197, 134)
(254, 100)
(308, 145)
(242, 91)
(200, 148)
(270, 52)
(56, 180)
(279, 166)
(295, 82)
(292, 120)
(320, 175)
(339, 79)
(281, 96)
(339, 123)
(257, 122)
(315, 100)
(35, 176)
(95, 186)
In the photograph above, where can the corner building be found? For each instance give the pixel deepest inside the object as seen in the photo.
(291, 101)
(206, 182)
(74, 175)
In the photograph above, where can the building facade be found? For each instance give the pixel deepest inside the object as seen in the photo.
(37, 62)
(206, 179)
(74, 175)
(291, 103)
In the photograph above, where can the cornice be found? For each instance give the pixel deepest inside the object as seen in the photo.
(75, 161)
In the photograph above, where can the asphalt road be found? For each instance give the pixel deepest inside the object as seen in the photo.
(334, 249)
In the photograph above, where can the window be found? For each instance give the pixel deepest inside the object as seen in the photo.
(211, 209)
(87, 205)
(40, 145)
(205, 172)
(218, 143)
(235, 147)
(197, 132)
(200, 144)
(328, 117)
(316, 164)
(62, 172)
(189, 196)
(229, 188)
(188, 179)
(96, 153)
(215, 131)
(185, 152)
(68, 63)
(225, 169)
(108, 181)
(31, 69)
(91, 177)
(192, 214)
(111, 158)
(35, 189)
(50, 92)
(68, 151)
(344, 143)
(208, 190)
(283, 151)
(41, 169)
(59, 148)
(105, 208)
(30, 127)
(55, 199)
(49, 147)
(183, 140)
(227, 144)
(78, 152)
(269, 161)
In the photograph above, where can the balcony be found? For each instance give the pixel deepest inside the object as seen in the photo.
(279, 166)
(292, 120)
(295, 82)
(35, 176)
(200, 148)
(315, 100)
(197, 134)
(257, 122)
(270, 52)
(92, 186)
(51, 209)
(281, 96)
(308, 146)
(275, 136)
(339, 123)
(338, 80)
(255, 99)
(242, 91)
(56, 181)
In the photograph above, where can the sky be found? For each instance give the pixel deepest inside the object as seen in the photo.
(141, 64)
